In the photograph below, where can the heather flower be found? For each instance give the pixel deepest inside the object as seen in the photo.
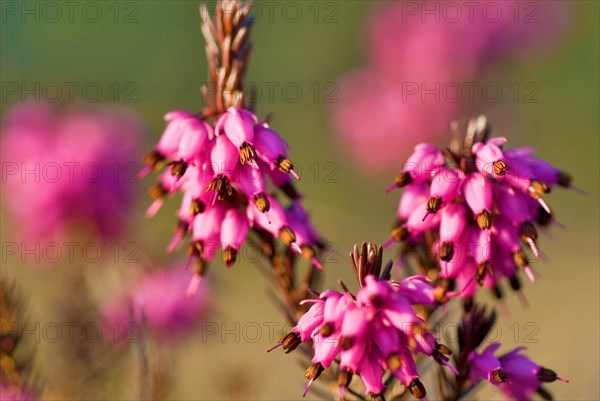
(525, 377)
(71, 170)
(227, 162)
(517, 376)
(477, 212)
(371, 333)
(158, 301)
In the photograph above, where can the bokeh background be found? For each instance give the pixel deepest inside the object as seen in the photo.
(153, 52)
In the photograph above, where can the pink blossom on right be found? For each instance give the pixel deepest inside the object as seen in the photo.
(517, 376)
(476, 209)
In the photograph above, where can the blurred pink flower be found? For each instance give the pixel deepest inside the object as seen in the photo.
(419, 57)
(68, 170)
(159, 301)
(375, 117)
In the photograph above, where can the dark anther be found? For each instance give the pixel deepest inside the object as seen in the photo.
(564, 179)
(484, 220)
(447, 251)
(403, 180)
(400, 233)
(377, 397)
(547, 375)
(284, 164)
(229, 256)
(287, 235)
(262, 202)
(499, 376)
(346, 343)
(515, 284)
(434, 204)
(417, 389)
(247, 153)
(178, 168)
(344, 378)
(290, 342)
(327, 329)
(500, 167)
(197, 207)
(314, 371)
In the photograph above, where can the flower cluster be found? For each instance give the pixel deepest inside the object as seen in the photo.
(223, 172)
(69, 170)
(517, 376)
(415, 98)
(475, 205)
(370, 333)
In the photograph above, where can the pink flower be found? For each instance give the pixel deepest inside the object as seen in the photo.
(272, 149)
(69, 171)
(485, 214)
(486, 366)
(159, 301)
(238, 125)
(525, 376)
(490, 159)
(517, 376)
(233, 234)
(224, 183)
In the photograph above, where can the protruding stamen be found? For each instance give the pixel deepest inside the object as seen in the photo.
(308, 386)
(144, 172)
(543, 203)
(294, 174)
(312, 373)
(344, 379)
(180, 230)
(154, 207)
(192, 289)
(275, 347)
(529, 273)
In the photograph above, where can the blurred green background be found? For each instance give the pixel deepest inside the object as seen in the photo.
(153, 52)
